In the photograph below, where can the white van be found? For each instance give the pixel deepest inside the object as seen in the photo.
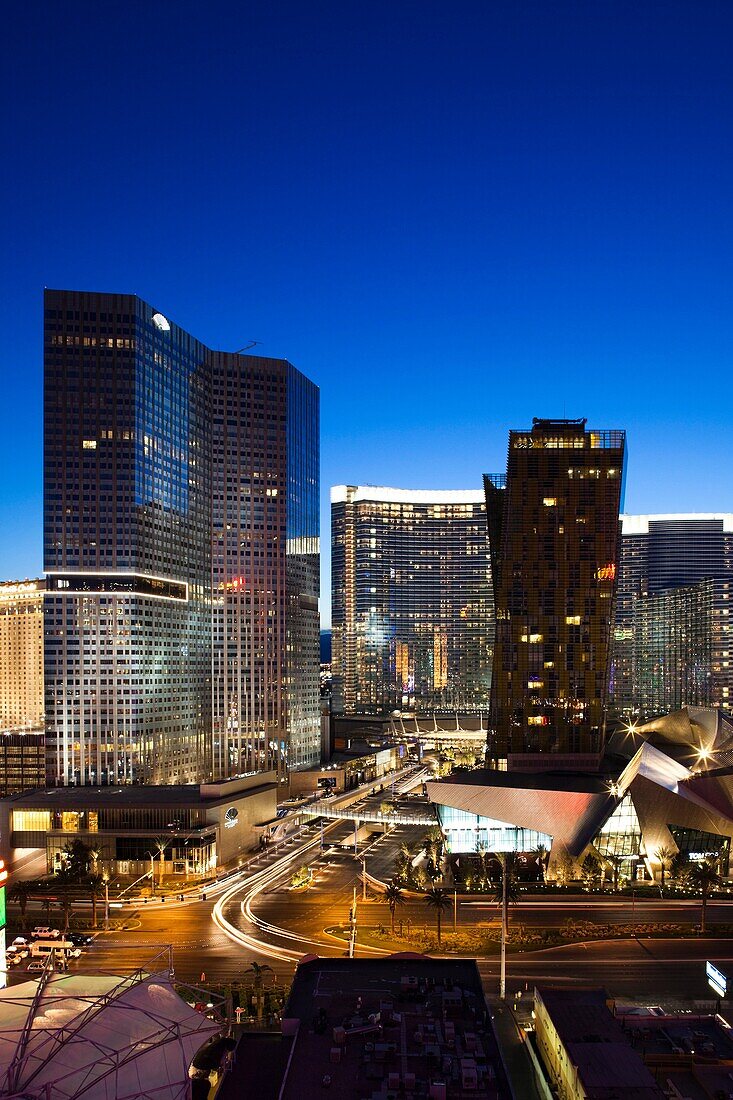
(41, 949)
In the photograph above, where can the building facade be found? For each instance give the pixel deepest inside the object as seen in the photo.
(137, 420)
(22, 761)
(664, 791)
(21, 655)
(673, 634)
(554, 534)
(411, 601)
(188, 830)
(265, 563)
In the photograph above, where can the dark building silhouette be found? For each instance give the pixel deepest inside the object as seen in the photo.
(554, 534)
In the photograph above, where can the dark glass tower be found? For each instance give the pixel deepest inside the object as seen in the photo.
(554, 536)
(411, 608)
(152, 446)
(127, 472)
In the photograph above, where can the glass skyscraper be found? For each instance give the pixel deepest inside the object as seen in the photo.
(134, 440)
(411, 600)
(673, 635)
(554, 534)
(265, 565)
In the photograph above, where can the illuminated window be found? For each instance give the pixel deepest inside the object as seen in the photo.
(534, 685)
(538, 720)
(572, 620)
(531, 638)
(549, 502)
(31, 821)
(89, 445)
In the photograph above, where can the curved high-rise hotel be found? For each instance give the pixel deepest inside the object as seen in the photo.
(411, 596)
(181, 547)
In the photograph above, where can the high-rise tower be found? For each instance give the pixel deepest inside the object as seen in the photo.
(673, 636)
(265, 560)
(139, 471)
(554, 535)
(411, 600)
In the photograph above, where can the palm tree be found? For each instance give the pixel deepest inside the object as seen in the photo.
(665, 855)
(540, 853)
(439, 900)
(21, 891)
(96, 890)
(66, 897)
(258, 971)
(393, 896)
(94, 855)
(75, 859)
(704, 877)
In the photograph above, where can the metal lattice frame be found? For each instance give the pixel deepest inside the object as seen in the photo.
(105, 1060)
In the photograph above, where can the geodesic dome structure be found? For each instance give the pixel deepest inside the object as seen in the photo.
(98, 1037)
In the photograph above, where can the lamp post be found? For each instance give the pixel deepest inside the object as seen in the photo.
(504, 911)
(105, 879)
(152, 875)
(352, 930)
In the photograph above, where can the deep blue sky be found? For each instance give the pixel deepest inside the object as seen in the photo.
(452, 216)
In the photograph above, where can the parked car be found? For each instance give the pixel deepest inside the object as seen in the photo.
(35, 966)
(20, 941)
(42, 931)
(13, 960)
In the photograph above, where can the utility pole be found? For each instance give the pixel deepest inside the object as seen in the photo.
(152, 876)
(363, 879)
(502, 974)
(352, 922)
(455, 909)
(356, 836)
(106, 900)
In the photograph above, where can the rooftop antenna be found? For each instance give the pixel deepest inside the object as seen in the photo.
(247, 347)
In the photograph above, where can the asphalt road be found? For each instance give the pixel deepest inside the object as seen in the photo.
(670, 972)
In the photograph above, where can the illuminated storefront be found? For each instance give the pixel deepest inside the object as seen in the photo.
(200, 827)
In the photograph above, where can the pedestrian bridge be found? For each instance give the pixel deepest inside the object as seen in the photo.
(360, 814)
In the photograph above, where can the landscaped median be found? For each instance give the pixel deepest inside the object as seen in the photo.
(485, 939)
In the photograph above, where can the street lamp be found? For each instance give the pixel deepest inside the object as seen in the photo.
(105, 879)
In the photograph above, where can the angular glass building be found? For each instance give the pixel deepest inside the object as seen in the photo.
(135, 428)
(673, 634)
(411, 600)
(665, 789)
(554, 534)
